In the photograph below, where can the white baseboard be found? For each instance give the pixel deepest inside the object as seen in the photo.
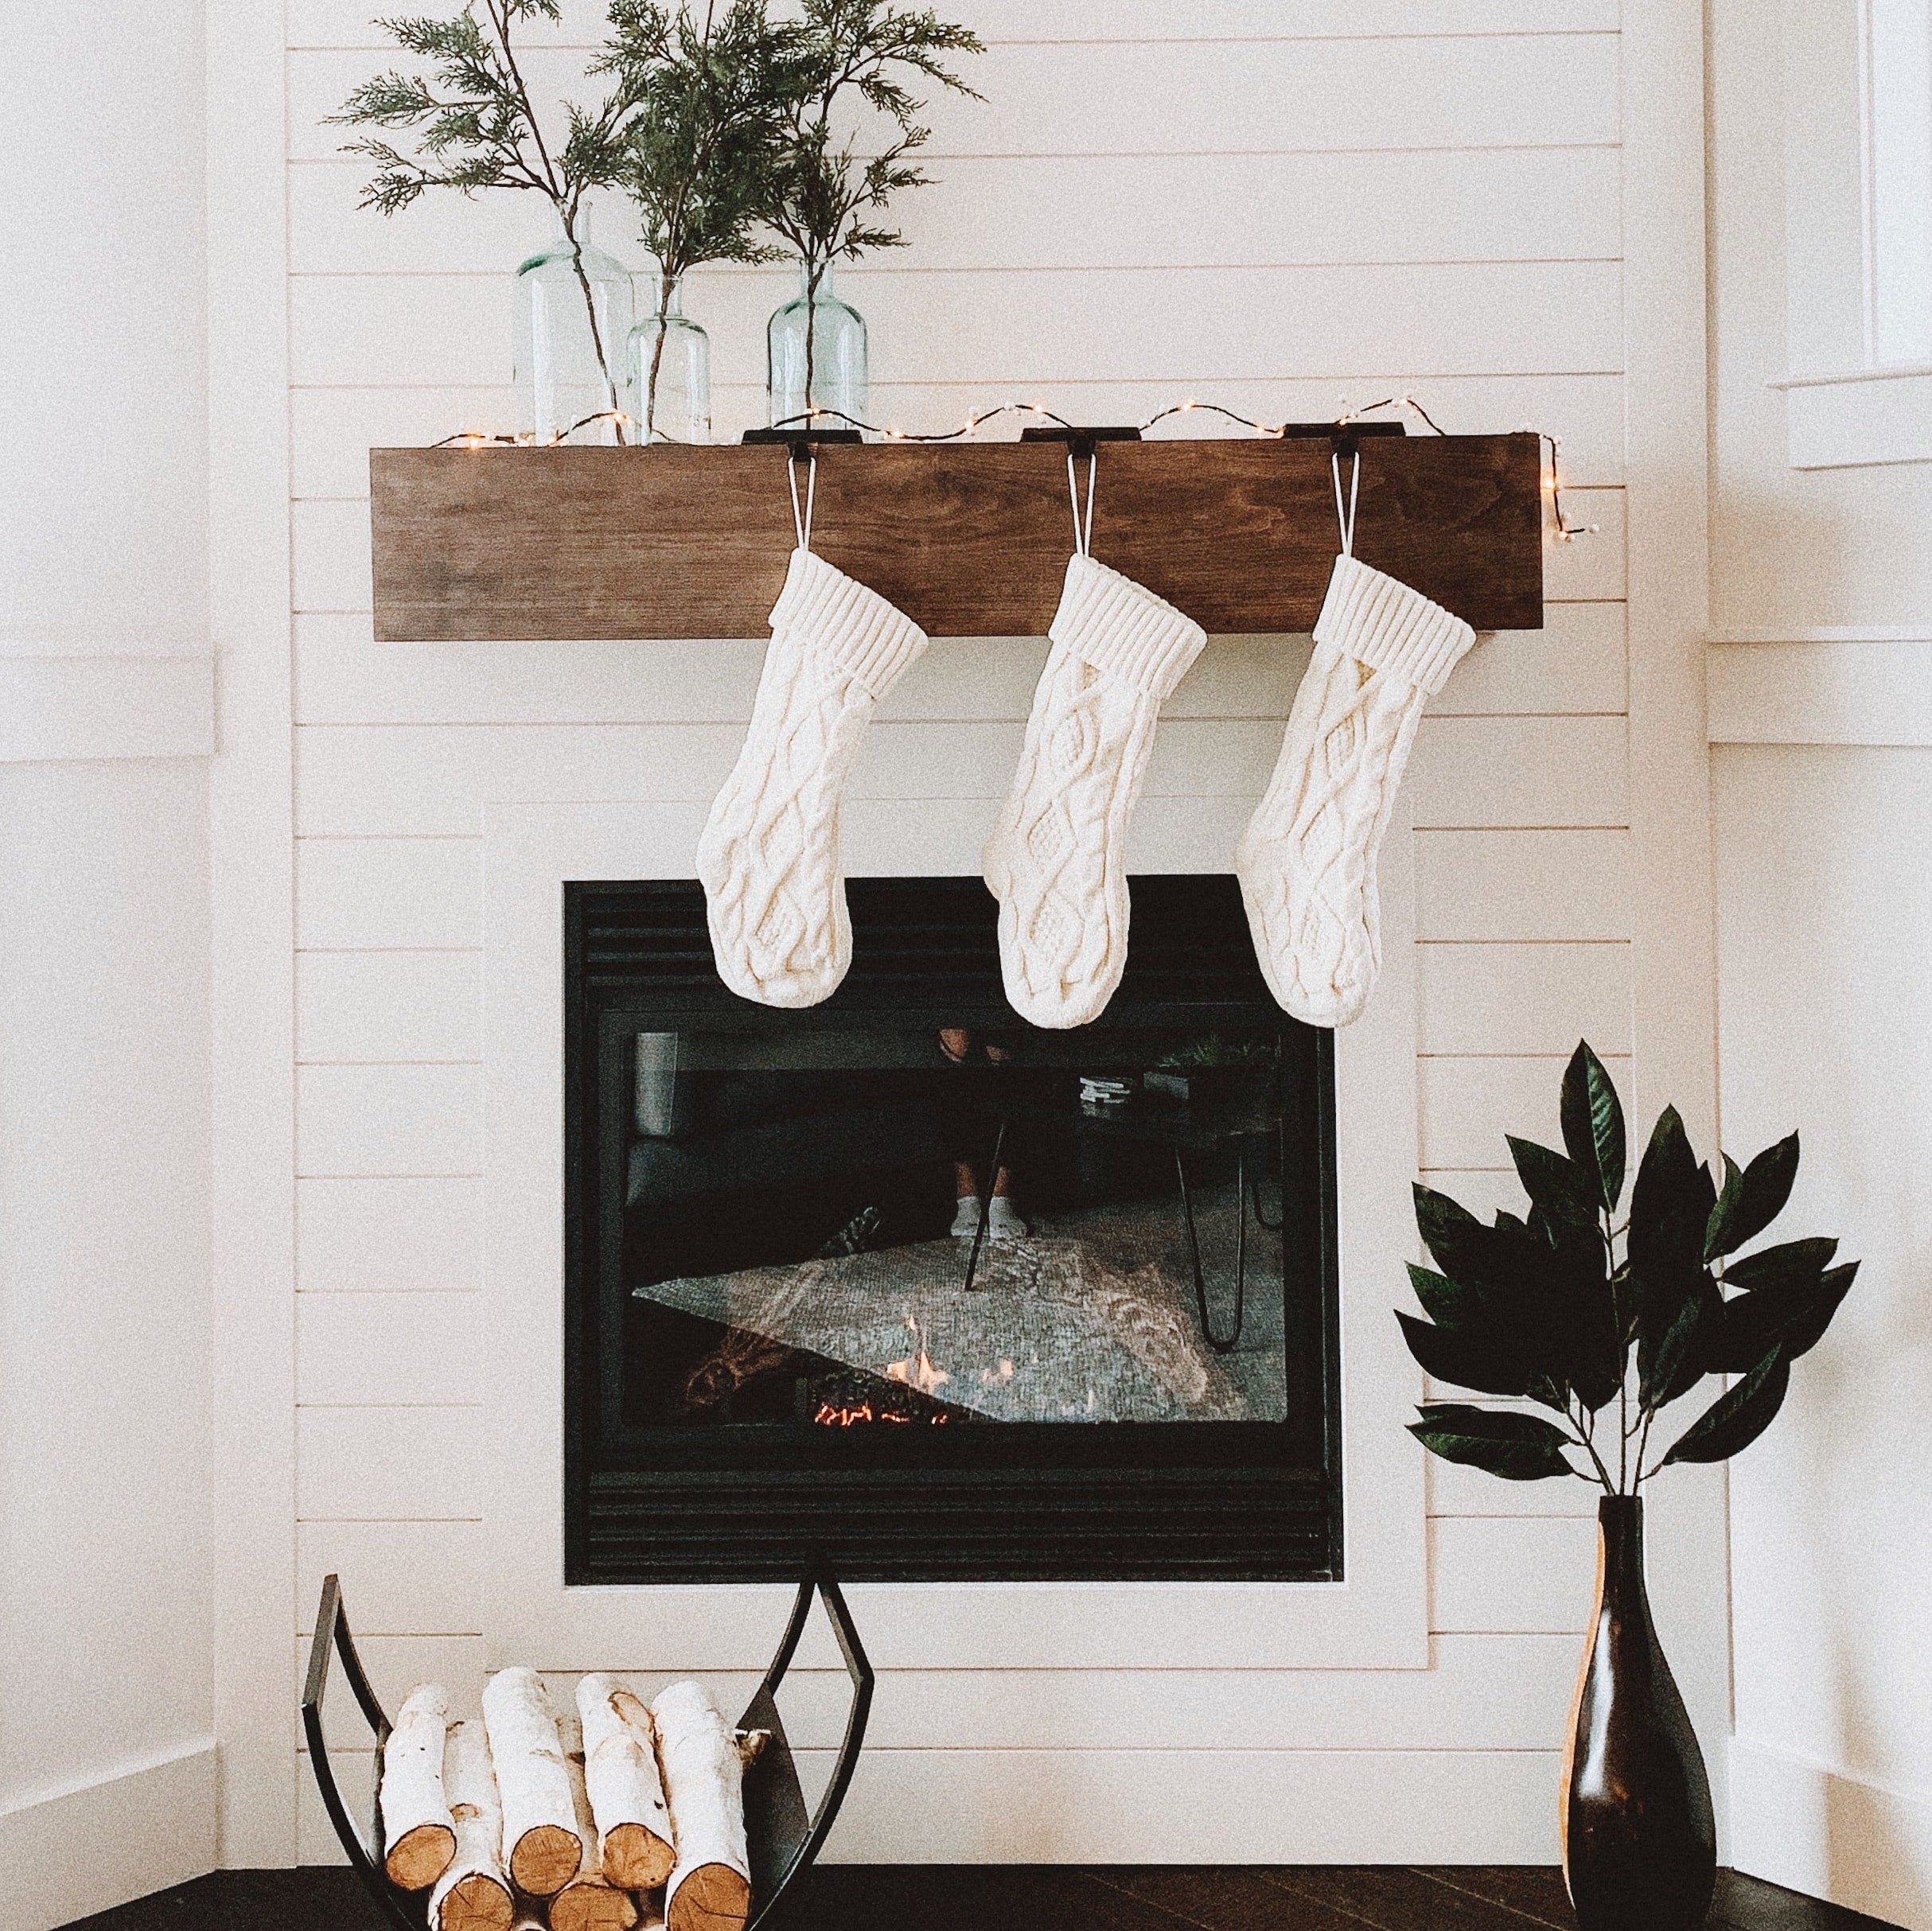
(1832, 1836)
(1182, 1807)
(87, 1850)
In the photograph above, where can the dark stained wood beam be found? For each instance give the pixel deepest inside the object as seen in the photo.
(494, 545)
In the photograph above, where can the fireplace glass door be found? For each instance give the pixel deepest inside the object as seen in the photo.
(906, 1285)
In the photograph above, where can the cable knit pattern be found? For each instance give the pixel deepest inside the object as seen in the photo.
(1306, 862)
(1055, 860)
(769, 858)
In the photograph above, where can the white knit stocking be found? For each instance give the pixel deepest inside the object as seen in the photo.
(768, 858)
(1056, 858)
(1306, 861)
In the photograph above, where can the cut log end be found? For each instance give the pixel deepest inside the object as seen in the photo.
(419, 1857)
(593, 1907)
(545, 1859)
(636, 1858)
(477, 1903)
(713, 1898)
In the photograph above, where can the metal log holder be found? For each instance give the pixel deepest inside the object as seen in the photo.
(783, 1839)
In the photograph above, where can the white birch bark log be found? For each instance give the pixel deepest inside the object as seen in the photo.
(702, 1759)
(541, 1846)
(419, 1836)
(474, 1894)
(589, 1902)
(627, 1794)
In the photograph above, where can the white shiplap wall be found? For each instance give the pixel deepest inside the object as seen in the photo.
(1276, 206)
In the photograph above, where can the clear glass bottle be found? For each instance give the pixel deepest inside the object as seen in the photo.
(815, 357)
(669, 368)
(573, 320)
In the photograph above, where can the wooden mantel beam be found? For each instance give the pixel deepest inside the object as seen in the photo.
(496, 544)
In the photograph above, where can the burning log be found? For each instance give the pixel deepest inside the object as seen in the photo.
(540, 1816)
(626, 1794)
(589, 1902)
(417, 1827)
(473, 1893)
(704, 1762)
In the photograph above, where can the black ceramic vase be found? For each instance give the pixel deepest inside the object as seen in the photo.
(1639, 1842)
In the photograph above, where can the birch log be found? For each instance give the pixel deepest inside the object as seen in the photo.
(589, 1902)
(540, 1843)
(704, 1762)
(418, 1834)
(627, 1796)
(474, 1894)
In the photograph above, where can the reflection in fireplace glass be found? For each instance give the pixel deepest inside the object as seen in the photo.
(884, 1227)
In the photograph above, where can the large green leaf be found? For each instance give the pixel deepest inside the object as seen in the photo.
(1791, 1312)
(1518, 1448)
(1557, 1185)
(1445, 1302)
(1574, 1315)
(1751, 1199)
(1680, 1358)
(1484, 1361)
(1670, 1205)
(1593, 1123)
(1789, 1264)
(1736, 1419)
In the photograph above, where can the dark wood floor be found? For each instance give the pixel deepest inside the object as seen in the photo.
(1005, 1897)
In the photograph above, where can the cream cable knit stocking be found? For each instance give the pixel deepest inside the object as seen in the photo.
(768, 858)
(1056, 858)
(1306, 861)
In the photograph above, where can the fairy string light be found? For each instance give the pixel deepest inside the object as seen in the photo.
(1551, 476)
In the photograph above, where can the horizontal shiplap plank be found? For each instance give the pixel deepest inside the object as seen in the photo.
(354, 1006)
(382, 1465)
(395, 1665)
(1081, 211)
(1522, 885)
(332, 429)
(1522, 998)
(398, 1578)
(405, 1350)
(1575, 664)
(348, 23)
(1456, 1489)
(373, 780)
(1485, 1192)
(353, 892)
(1590, 565)
(1183, 97)
(1467, 1106)
(404, 1120)
(1186, 325)
(389, 1236)
(1520, 771)
(1505, 1574)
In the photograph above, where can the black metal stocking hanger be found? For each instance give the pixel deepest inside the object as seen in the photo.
(782, 1839)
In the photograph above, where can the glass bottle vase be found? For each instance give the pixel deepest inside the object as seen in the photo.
(669, 367)
(817, 358)
(573, 320)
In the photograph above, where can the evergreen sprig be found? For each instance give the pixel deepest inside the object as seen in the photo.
(822, 188)
(1581, 1315)
(478, 129)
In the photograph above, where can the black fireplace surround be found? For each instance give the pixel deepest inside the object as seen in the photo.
(795, 1332)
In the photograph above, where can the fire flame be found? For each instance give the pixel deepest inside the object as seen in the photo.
(918, 1370)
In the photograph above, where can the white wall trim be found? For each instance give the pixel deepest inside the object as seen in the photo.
(1377, 1619)
(251, 847)
(94, 1845)
(1674, 952)
(1872, 691)
(61, 706)
(1832, 1834)
(1858, 418)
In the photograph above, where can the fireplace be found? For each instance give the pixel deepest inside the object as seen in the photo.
(903, 1284)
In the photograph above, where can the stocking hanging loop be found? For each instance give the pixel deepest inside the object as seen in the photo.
(1344, 519)
(801, 517)
(1083, 532)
